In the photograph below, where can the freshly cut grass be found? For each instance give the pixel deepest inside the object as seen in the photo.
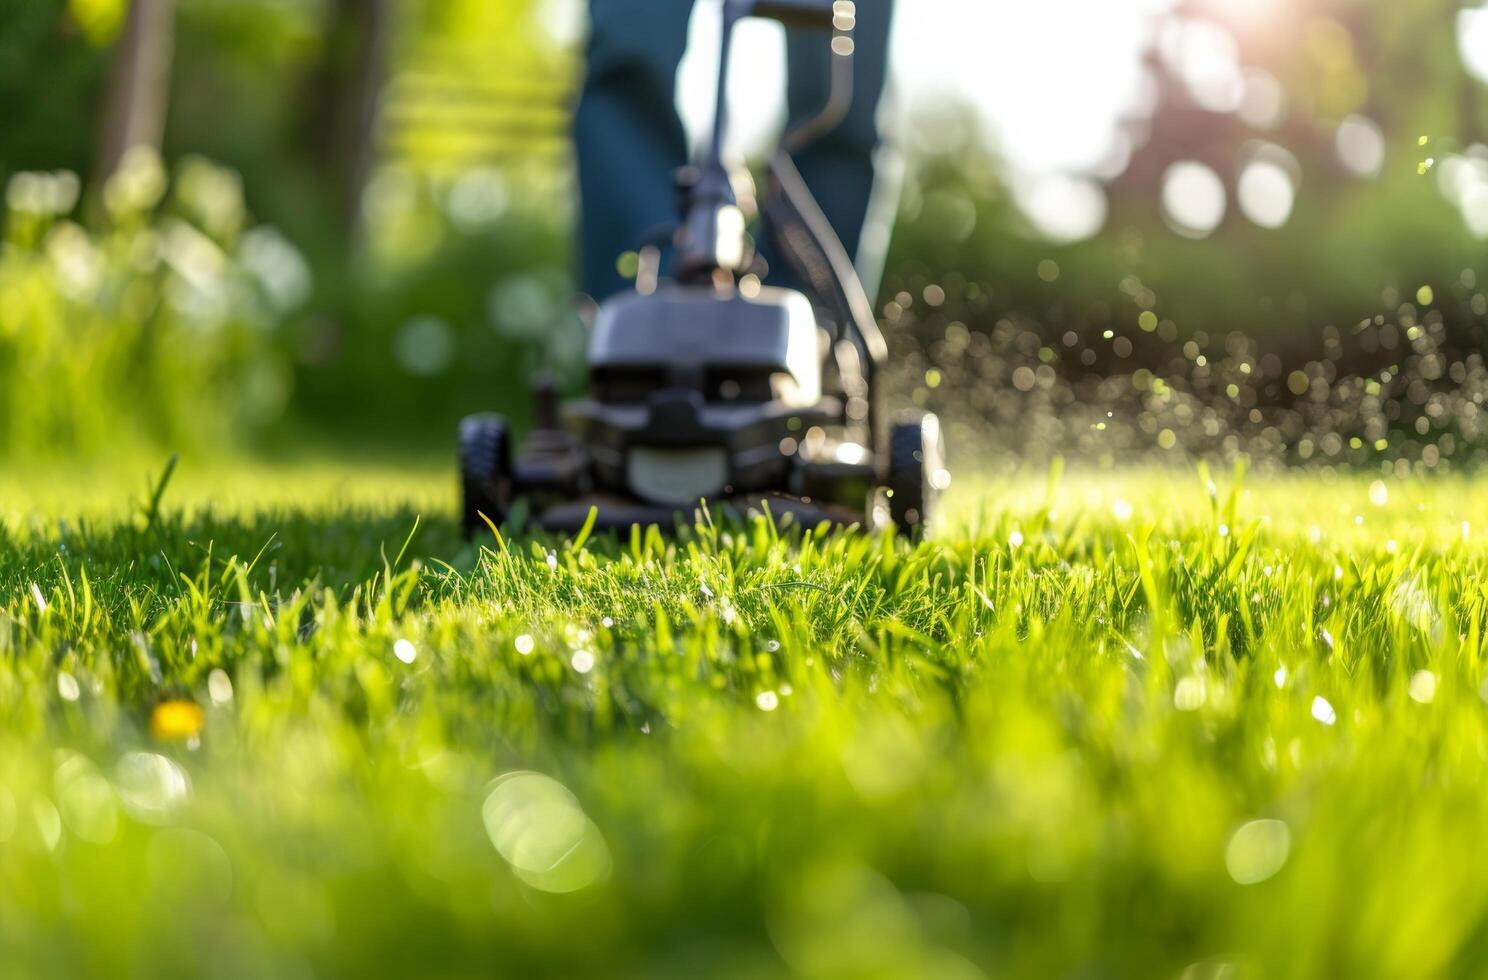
(1100, 725)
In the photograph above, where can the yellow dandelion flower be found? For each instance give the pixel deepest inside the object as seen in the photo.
(176, 721)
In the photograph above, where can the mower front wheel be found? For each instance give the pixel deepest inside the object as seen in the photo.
(485, 472)
(916, 472)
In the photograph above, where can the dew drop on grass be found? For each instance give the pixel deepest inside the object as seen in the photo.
(1257, 851)
(1323, 711)
(1379, 494)
(67, 686)
(583, 661)
(1015, 540)
(767, 700)
(1122, 510)
(1423, 687)
(405, 651)
(1280, 677)
(524, 644)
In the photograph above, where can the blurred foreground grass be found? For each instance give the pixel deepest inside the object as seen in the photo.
(1104, 725)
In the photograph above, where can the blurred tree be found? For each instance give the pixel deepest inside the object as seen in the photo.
(1321, 122)
(52, 63)
(138, 92)
(243, 72)
(478, 84)
(340, 105)
(1304, 67)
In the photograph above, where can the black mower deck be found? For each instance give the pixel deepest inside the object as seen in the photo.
(621, 514)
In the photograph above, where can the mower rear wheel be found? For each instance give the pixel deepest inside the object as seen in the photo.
(485, 472)
(915, 473)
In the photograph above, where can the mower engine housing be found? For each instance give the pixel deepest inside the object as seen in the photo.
(693, 391)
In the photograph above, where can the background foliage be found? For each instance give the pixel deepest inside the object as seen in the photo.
(437, 232)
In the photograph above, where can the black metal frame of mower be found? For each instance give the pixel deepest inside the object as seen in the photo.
(708, 386)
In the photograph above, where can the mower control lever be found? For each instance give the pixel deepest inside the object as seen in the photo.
(815, 15)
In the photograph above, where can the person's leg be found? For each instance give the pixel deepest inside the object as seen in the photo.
(627, 136)
(839, 167)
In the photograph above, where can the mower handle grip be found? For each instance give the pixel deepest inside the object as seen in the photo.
(814, 15)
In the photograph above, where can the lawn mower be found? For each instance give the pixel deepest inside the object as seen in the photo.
(707, 388)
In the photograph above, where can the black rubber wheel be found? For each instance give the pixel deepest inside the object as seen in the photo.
(916, 472)
(485, 472)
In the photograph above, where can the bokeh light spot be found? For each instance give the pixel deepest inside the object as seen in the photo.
(1257, 851)
(538, 827)
(1422, 688)
(1360, 145)
(1193, 199)
(1266, 193)
(151, 786)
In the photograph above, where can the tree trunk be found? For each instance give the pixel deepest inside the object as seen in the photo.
(339, 117)
(371, 71)
(139, 84)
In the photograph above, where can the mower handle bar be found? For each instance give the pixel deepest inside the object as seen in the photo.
(713, 192)
(816, 15)
(839, 17)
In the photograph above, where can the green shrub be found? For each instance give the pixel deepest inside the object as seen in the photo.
(153, 325)
(447, 309)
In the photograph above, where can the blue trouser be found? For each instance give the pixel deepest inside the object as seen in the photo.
(630, 139)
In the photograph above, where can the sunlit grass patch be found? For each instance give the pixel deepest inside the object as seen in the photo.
(1128, 723)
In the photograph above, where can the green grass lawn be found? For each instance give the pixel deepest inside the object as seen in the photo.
(1105, 725)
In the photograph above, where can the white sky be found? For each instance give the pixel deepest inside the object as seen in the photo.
(1051, 81)
(1050, 78)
